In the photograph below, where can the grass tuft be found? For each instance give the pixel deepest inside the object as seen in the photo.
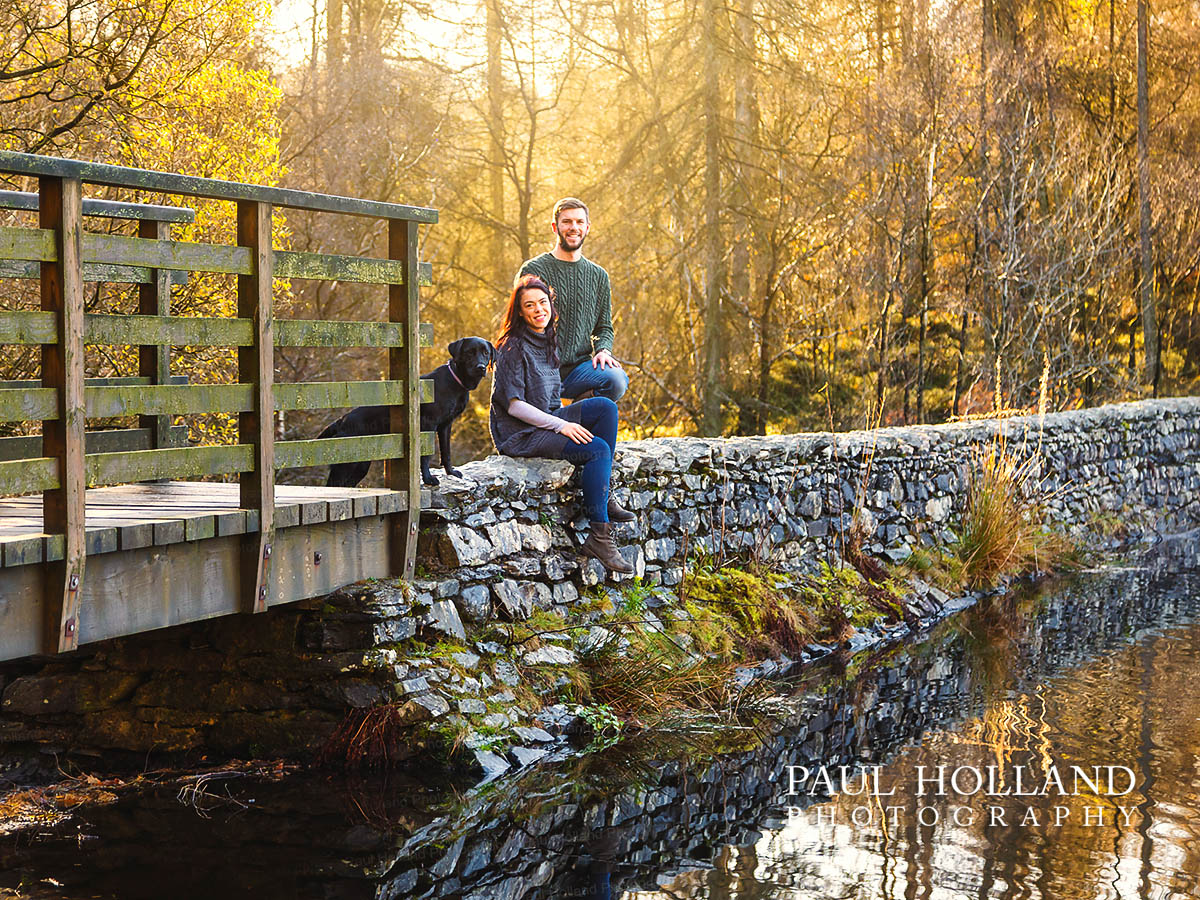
(1003, 530)
(657, 681)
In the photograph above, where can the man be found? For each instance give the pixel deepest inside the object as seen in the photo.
(585, 332)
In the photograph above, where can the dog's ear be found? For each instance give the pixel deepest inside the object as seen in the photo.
(454, 348)
(491, 353)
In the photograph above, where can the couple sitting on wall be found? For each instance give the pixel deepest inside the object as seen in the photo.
(556, 342)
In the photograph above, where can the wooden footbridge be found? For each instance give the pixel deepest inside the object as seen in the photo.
(101, 533)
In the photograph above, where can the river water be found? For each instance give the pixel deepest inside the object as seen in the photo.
(1038, 745)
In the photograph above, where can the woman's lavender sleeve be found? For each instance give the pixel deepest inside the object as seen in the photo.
(531, 415)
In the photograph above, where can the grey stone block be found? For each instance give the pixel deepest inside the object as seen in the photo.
(443, 619)
(475, 603)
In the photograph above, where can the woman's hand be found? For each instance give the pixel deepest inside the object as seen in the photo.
(576, 432)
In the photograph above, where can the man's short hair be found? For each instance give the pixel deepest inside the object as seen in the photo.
(569, 203)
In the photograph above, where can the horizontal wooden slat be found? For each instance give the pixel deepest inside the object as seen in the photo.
(28, 404)
(336, 394)
(150, 465)
(27, 243)
(356, 269)
(316, 333)
(330, 267)
(293, 454)
(121, 259)
(27, 327)
(109, 440)
(36, 404)
(168, 399)
(121, 176)
(37, 327)
(92, 272)
(192, 257)
(105, 209)
(106, 381)
(27, 476)
(176, 331)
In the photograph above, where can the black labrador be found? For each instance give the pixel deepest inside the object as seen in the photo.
(453, 382)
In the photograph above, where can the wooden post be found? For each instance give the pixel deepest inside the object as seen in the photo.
(256, 366)
(404, 364)
(154, 362)
(61, 210)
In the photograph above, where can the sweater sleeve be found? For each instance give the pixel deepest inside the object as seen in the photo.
(508, 380)
(602, 331)
(531, 415)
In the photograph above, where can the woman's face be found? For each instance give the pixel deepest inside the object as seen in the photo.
(534, 308)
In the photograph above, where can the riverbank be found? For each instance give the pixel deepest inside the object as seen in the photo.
(631, 659)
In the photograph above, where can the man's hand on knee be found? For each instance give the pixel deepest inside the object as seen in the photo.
(604, 360)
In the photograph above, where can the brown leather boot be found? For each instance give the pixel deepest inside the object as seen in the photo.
(618, 513)
(599, 545)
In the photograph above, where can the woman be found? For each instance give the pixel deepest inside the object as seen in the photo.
(528, 419)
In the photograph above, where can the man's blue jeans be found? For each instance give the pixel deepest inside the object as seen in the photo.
(611, 383)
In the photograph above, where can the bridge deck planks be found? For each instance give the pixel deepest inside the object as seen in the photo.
(133, 516)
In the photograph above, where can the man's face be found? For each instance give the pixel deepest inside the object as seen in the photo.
(571, 228)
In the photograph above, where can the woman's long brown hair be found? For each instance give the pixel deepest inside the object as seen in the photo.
(512, 325)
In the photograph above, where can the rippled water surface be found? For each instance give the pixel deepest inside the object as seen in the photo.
(1135, 707)
(1104, 671)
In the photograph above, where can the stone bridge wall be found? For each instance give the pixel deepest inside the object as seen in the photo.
(502, 539)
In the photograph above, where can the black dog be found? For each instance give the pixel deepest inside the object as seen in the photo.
(452, 384)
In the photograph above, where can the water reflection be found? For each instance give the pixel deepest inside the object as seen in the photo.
(1133, 707)
(1101, 672)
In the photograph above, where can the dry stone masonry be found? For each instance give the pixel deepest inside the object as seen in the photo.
(501, 540)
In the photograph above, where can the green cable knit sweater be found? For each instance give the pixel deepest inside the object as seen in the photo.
(584, 306)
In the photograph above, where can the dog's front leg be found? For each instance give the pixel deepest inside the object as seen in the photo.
(443, 434)
(426, 476)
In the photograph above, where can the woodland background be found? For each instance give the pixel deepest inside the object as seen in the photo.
(815, 216)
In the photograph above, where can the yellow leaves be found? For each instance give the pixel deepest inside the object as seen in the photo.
(1083, 10)
(221, 123)
(154, 84)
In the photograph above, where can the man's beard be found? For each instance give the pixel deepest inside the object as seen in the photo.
(562, 243)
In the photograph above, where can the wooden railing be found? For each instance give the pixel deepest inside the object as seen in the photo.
(66, 256)
(154, 363)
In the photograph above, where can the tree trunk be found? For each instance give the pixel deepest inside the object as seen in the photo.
(766, 337)
(960, 369)
(877, 178)
(1190, 347)
(926, 278)
(1146, 273)
(334, 48)
(881, 378)
(714, 274)
(495, 80)
(742, 283)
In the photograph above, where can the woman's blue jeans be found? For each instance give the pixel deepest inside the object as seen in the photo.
(594, 459)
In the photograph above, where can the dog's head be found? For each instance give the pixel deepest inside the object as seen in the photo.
(471, 357)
